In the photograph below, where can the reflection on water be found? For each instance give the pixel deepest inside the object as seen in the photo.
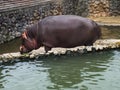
(97, 71)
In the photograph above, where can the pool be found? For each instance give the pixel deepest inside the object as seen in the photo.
(93, 71)
(108, 32)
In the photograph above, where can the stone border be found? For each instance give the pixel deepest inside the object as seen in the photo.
(107, 24)
(99, 45)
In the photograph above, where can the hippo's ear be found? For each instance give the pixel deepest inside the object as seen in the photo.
(24, 35)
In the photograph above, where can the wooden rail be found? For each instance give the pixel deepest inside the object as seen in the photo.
(6, 5)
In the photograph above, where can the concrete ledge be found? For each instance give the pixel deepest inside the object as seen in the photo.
(99, 45)
(107, 21)
(107, 24)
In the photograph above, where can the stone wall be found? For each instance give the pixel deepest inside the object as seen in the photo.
(92, 8)
(17, 14)
(103, 8)
(99, 8)
(14, 20)
(114, 7)
(75, 7)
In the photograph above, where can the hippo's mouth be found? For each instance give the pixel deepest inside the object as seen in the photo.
(24, 50)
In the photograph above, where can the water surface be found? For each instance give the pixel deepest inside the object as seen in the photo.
(93, 71)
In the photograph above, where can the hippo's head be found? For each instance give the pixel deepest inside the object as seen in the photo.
(28, 43)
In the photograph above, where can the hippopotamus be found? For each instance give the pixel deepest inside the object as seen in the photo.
(66, 31)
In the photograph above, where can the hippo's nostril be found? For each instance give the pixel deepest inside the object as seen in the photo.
(23, 49)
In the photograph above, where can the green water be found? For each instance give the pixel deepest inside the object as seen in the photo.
(93, 71)
(12, 46)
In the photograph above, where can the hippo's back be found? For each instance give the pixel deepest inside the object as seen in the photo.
(63, 20)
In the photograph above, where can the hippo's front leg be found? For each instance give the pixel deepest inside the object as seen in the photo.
(47, 48)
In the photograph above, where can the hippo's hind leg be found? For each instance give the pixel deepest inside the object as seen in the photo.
(88, 44)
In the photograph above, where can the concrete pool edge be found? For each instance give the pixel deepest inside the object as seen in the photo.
(108, 24)
(99, 45)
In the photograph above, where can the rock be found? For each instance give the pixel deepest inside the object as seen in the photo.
(68, 52)
(89, 48)
(96, 2)
(99, 45)
(17, 34)
(16, 55)
(32, 56)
